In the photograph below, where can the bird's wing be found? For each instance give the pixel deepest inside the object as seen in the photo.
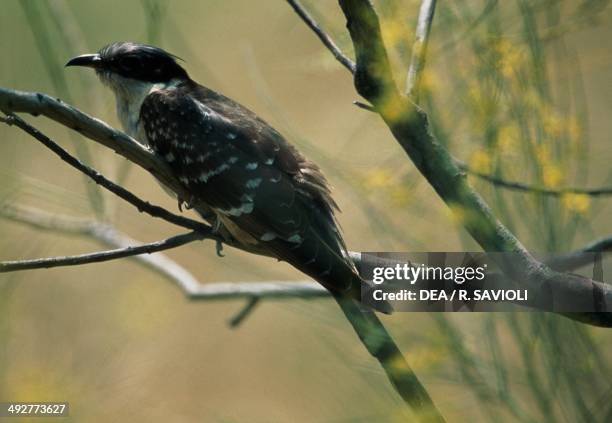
(250, 176)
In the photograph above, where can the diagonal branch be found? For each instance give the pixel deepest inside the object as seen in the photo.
(141, 205)
(13, 101)
(100, 256)
(419, 49)
(325, 39)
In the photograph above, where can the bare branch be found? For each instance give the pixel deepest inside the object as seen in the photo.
(106, 235)
(419, 49)
(244, 312)
(325, 39)
(268, 289)
(364, 106)
(381, 346)
(110, 236)
(581, 257)
(121, 192)
(44, 263)
(13, 101)
(517, 186)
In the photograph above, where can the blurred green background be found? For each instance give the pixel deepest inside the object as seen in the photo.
(519, 89)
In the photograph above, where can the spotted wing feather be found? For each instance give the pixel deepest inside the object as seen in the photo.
(254, 180)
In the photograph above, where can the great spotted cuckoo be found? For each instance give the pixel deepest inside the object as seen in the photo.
(261, 189)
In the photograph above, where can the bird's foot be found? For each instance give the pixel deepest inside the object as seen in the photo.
(219, 245)
(219, 249)
(188, 204)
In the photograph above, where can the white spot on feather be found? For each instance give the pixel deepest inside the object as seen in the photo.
(253, 183)
(245, 208)
(251, 166)
(205, 176)
(268, 236)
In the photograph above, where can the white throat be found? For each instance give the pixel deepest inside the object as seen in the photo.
(129, 96)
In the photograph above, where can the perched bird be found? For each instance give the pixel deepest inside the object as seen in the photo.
(261, 189)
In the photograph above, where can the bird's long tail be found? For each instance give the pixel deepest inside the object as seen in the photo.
(329, 266)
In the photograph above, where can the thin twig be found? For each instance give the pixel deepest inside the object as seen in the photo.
(104, 234)
(244, 312)
(419, 49)
(13, 101)
(364, 106)
(141, 205)
(100, 256)
(325, 39)
(518, 186)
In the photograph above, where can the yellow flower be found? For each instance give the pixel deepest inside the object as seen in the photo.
(553, 125)
(510, 58)
(480, 161)
(429, 81)
(578, 203)
(395, 31)
(542, 153)
(574, 130)
(377, 178)
(507, 139)
(551, 176)
(400, 195)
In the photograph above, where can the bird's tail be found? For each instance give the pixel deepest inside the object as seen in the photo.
(358, 288)
(334, 270)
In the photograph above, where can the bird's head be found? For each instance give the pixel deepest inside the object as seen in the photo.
(124, 63)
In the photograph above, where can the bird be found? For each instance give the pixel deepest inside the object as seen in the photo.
(261, 190)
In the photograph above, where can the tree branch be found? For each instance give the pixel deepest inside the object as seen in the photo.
(104, 234)
(517, 186)
(380, 345)
(325, 39)
(141, 205)
(419, 49)
(100, 256)
(13, 101)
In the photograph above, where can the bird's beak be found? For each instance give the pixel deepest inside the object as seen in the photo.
(87, 60)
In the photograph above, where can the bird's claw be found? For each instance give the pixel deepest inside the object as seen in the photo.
(216, 227)
(189, 204)
(219, 248)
